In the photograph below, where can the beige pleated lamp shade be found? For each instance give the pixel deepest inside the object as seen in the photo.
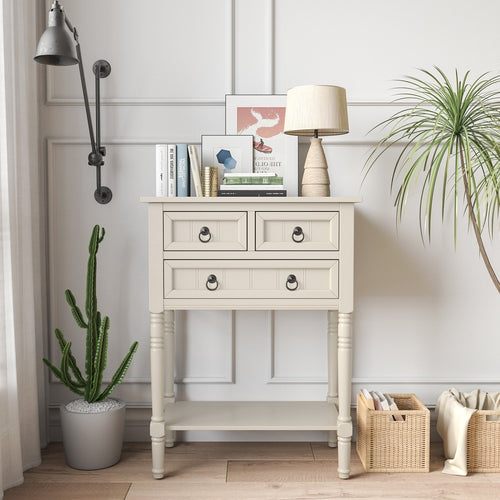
(316, 107)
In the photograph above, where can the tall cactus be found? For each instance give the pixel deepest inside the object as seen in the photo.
(97, 340)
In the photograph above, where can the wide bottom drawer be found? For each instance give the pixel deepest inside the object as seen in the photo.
(251, 279)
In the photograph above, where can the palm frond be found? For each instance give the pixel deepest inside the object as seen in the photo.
(449, 135)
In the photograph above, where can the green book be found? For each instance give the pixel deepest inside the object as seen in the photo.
(244, 179)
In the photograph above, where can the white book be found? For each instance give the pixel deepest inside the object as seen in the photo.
(172, 171)
(161, 169)
(195, 169)
(366, 393)
(251, 187)
(367, 398)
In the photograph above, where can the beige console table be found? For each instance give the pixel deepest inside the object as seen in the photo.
(251, 253)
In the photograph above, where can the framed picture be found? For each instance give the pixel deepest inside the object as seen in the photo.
(263, 116)
(230, 153)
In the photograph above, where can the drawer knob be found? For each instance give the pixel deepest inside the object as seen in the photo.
(298, 234)
(212, 283)
(291, 283)
(205, 236)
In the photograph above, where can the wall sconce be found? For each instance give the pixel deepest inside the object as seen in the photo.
(312, 111)
(56, 47)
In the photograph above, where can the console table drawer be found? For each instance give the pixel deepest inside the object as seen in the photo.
(251, 279)
(317, 231)
(204, 231)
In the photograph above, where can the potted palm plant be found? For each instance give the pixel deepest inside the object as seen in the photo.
(450, 137)
(92, 425)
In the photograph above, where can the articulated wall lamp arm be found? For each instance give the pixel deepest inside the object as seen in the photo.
(57, 48)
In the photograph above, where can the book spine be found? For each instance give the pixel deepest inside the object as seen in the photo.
(251, 192)
(182, 170)
(367, 397)
(195, 169)
(251, 174)
(253, 180)
(161, 170)
(251, 187)
(172, 170)
(376, 401)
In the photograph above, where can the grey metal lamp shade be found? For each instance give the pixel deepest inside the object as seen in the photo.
(56, 45)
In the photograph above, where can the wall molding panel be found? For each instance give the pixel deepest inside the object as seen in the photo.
(273, 377)
(228, 344)
(52, 99)
(270, 45)
(230, 49)
(229, 75)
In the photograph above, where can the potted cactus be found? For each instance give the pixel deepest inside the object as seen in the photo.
(92, 425)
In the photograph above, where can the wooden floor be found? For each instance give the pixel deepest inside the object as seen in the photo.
(244, 471)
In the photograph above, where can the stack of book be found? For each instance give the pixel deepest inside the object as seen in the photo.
(375, 400)
(252, 184)
(177, 170)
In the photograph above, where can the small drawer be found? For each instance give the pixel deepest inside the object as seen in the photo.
(316, 231)
(251, 279)
(186, 231)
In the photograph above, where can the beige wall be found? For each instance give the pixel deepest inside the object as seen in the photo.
(426, 316)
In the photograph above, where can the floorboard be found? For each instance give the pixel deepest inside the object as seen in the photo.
(244, 471)
(73, 491)
(282, 471)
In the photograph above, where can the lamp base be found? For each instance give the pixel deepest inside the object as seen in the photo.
(315, 181)
(103, 195)
(315, 190)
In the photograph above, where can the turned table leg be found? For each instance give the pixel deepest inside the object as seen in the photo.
(344, 429)
(332, 396)
(169, 368)
(157, 426)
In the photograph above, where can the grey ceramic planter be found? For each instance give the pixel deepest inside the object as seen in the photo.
(93, 440)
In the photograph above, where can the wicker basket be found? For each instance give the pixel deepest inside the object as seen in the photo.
(483, 441)
(387, 445)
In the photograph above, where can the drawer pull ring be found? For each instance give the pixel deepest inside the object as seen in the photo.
(204, 232)
(212, 283)
(298, 234)
(291, 283)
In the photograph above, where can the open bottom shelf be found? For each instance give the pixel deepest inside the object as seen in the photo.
(250, 415)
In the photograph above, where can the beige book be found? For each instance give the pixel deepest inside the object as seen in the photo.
(195, 169)
(366, 397)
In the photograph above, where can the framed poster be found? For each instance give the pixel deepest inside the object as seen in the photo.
(263, 117)
(230, 153)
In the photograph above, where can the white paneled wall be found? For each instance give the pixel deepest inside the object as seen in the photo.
(427, 317)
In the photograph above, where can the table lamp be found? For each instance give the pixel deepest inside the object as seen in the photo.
(56, 47)
(311, 111)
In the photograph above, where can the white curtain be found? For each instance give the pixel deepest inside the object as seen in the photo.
(21, 317)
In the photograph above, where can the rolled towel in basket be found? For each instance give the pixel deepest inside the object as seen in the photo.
(454, 410)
